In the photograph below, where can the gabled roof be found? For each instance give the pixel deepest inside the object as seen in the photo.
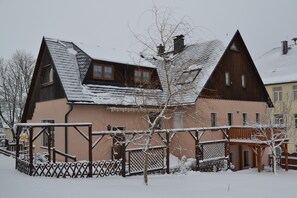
(276, 68)
(72, 61)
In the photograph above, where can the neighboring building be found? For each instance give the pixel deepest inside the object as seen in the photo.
(278, 69)
(74, 82)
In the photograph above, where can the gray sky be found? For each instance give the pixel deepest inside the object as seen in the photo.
(262, 23)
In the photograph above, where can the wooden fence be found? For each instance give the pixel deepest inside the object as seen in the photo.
(292, 161)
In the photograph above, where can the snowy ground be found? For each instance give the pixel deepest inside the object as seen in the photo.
(241, 184)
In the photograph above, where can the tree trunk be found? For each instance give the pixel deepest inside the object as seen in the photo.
(145, 168)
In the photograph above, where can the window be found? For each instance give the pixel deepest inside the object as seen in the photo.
(142, 76)
(45, 136)
(152, 117)
(258, 118)
(243, 84)
(103, 72)
(277, 94)
(278, 119)
(246, 161)
(227, 78)
(213, 119)
(230, 119)
(48, 74)
(295, 92)
(188, 76)
(234, 47)
(178, 120)
(244, 119)
(295, 119)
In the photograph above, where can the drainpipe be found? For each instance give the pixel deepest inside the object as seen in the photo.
(66, 130)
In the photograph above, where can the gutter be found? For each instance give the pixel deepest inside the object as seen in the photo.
(66, 130)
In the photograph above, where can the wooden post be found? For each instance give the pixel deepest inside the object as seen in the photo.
(259, 159)
(17, 153)
(31, 151)
(240, 157)
(197, 150)
(90, 152)
(123, 152)
(227, 149)
(286, 158)
(54, 156)
(167, 154)
(49, 141)
(254, 156)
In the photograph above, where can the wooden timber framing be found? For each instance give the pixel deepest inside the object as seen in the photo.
(257, 146)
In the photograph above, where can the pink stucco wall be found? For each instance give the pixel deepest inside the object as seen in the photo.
(100, 116)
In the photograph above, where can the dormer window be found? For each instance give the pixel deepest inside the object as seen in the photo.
(188, 76)
(103, 72)
(142, 76)
(48, 75)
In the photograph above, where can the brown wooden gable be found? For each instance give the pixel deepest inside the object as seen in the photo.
(39, 90)
(237, 62)
(123, 76)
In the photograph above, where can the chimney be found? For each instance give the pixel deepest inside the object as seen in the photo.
(161, 49)
(178, 43)
(284, 47)
(295, 40)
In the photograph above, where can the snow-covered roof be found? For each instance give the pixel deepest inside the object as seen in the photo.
(72, 61)
(274, 67)
(203, 56)
(114, 55)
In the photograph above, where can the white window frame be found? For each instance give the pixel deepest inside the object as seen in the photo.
(243, 82)
(244, 119)
(295, 92)
(104, 75)
(49, 75)
(213, 119)
(277, 94)
(45, 137)
(278, 119)
(258, 118)
(230, 122)
(227, 78)
(178, 120)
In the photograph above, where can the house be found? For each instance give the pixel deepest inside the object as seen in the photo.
(278, 70)
(216, 85)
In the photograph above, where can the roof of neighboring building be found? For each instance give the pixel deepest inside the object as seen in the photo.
(276, 68)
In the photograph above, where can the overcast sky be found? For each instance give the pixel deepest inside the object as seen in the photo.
(262, 23)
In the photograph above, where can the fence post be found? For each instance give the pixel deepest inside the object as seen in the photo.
(54, 155)
(123, 152)
(31, 151)
(90, 152)
(49, 141)
(17, 153)
(197, 150)
(167, 153)
(227, 147)
(286, 158)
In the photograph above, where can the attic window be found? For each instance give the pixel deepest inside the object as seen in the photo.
(48, 76)
(103, 72)
(188, 76)
(142, 76)
(234, 47)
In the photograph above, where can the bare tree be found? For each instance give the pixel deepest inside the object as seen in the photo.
(15, 78)
(172, 68)
(275, 130)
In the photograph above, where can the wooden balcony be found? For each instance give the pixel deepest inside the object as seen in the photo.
(257, 134)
